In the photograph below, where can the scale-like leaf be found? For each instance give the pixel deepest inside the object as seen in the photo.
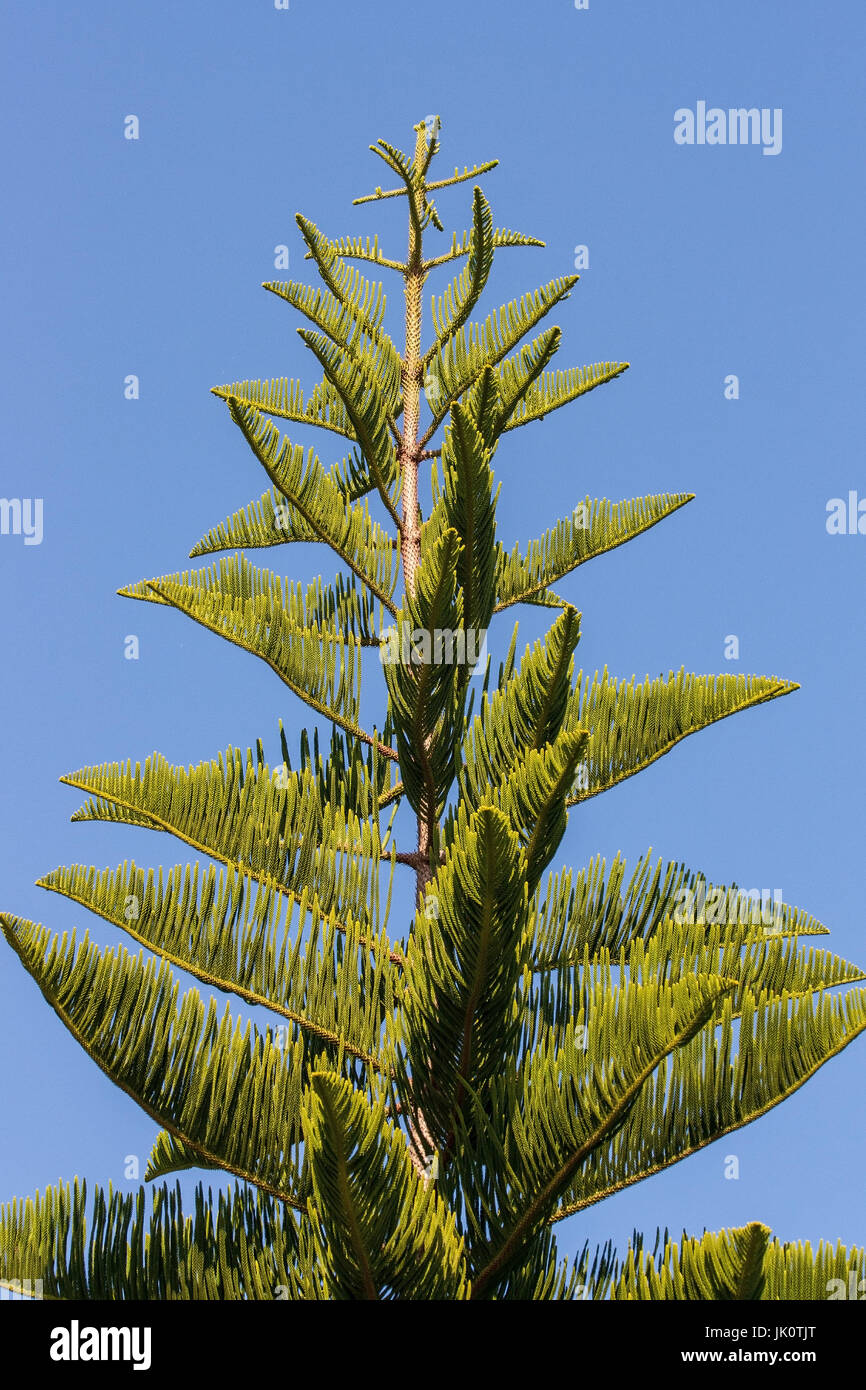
(380, 1231)
(369, 407)
(566, 1103)
(524, 713)
(253, 609)
(241, 935)
(349, 773)
(285, 398)
(631, 726)
(594, 528)
(599, 910)
(346, 321)
(354, 323)
(760, 964)
(270, 824)
(423, 688)
(458, 1024)
(476, 346)
(240, 1244)
(716, 1085)
(534, 798)
(357, 249)
(422, 209)
(502, 237)
(345, 283)
(469, 507)
(739, 1265)
(316, 503)
(458, 301)
(517, 374)
(342, 608)
(228, 1093)
(558, 388)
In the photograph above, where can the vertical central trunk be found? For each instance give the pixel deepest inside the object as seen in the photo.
(412, 370)
(420, 1141)
(412, 380)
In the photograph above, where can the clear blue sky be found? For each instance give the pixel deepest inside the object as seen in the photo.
(146, 257)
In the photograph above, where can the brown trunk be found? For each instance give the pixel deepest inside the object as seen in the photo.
(420, 1140)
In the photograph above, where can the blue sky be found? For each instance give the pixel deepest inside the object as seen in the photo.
(146, 257)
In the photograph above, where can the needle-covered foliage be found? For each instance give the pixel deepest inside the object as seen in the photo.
(436, 1092)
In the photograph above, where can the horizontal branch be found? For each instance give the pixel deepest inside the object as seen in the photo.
(379, 193)
(369, 257)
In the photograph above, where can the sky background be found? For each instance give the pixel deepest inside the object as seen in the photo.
(147, 256)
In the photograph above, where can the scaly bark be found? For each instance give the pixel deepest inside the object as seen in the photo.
(413, 370)
(410, 537)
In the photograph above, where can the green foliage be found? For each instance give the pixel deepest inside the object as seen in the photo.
(560, 1104)
(468, 506)
(740, 1264)
(423, 698)
(462, 974)
(429, 1098)
(235, 1245)
(377, 1228)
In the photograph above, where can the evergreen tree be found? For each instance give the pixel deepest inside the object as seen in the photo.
(433, 1096)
